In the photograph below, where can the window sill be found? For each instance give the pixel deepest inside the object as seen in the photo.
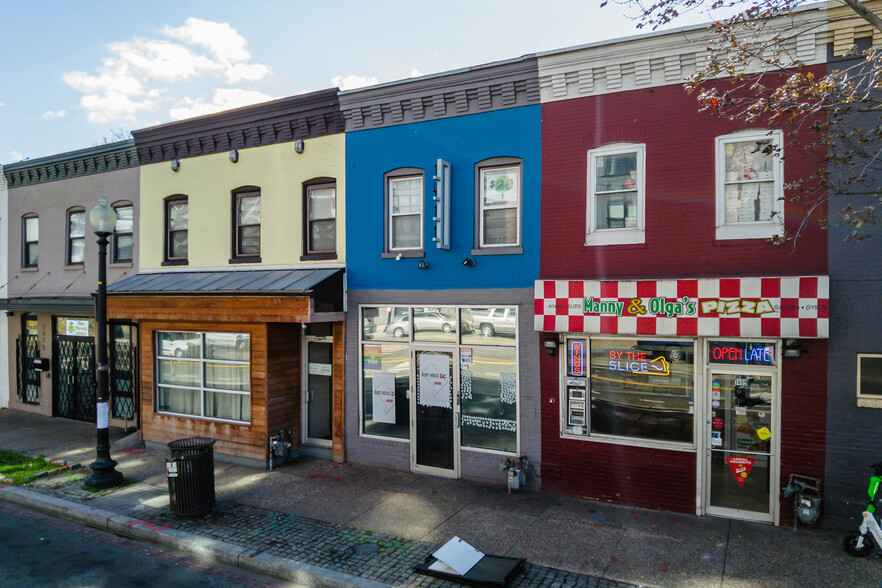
(120, 264)
(74, 267)
(319, 256)
(645, 443)
(173, 262)
(757, 231)
(30, 269)
(615, 237)
(507, 250)
(403, 253)
(869, 402)
(251, 259)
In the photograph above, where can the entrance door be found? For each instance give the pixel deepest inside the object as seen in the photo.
(75, 378)
(435, 448)
(742, 436)
(318, 392)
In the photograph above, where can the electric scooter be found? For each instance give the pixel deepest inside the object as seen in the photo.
(869, 536)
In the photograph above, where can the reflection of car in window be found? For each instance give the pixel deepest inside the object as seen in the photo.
(425, 320)
(493, 321)
(177, 348)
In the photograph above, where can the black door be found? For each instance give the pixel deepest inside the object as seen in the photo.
(434, 410)
(74, 378)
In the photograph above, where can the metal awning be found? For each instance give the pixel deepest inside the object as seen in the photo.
(73, 304)
(228, 283)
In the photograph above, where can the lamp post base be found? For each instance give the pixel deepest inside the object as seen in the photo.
(103, 475)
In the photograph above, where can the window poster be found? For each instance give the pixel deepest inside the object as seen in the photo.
(373, 358)
(434, 381)
(384, 397)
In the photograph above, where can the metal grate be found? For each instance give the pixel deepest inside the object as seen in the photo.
(75, 379)
(27, 378)
(122, 378)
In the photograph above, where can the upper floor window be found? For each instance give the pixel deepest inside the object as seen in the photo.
(246, 222)
(404, 206)
(616, 194)
(869, 380)
(30, 228)
(498, 207)
(176, 228)
(76, 236)
(750, 188)
(123, 241)
(320, 217)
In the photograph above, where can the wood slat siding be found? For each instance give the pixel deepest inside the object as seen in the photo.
(337, 401)
(284, 379)
(210, 308)
(247, 441)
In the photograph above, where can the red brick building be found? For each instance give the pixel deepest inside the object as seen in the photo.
(690, 365)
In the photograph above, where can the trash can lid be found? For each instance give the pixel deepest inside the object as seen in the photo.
(191, 443)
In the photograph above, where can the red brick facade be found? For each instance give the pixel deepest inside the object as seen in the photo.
(679, 243)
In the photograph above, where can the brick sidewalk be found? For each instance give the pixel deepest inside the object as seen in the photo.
(372, 556)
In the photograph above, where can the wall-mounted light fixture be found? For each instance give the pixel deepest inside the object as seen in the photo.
(175, 165)
(791, 349)
(423, 265)
(468, 262)
(299, 146)
(550, 344)
(398, 257)
(234, 155)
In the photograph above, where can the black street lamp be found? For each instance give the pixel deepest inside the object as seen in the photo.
(103, 219)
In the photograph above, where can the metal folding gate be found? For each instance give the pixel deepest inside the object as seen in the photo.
(74, 378)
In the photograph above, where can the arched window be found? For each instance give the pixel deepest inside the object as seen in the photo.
(123, 238)
(76, 236)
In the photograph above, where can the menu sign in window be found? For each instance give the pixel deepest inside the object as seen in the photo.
(741, 353)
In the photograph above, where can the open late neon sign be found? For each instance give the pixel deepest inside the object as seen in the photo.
(741, 353)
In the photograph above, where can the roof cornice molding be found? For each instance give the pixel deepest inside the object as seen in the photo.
(661, 59)
(483, 88)
(278, 121)
(83, 162)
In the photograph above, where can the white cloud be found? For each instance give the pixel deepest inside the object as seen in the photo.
(224, 99)
(16, 156)
(133, 78)
(2, 104)
(415, 73)
(351, 82)
(55, 113)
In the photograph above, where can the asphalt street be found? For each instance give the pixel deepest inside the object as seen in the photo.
(39, 550)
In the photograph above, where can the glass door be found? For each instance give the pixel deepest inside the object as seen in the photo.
(434, 408)
(741, 437)
(318, 392)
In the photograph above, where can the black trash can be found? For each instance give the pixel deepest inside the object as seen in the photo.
(191, 476)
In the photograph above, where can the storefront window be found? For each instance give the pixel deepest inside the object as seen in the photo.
(385, 382)
(385, 323)
(489, 326)
(489, 391)
(635, 388)
(435, 324)
(483, 340)
(204, 374)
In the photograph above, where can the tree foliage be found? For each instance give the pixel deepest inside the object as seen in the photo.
(835, 112)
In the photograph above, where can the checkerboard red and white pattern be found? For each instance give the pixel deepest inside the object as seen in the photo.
(800, 303)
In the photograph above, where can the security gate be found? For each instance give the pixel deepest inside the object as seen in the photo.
(27, 377)
(74, 378)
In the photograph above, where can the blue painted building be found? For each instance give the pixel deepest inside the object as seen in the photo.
(441, 371)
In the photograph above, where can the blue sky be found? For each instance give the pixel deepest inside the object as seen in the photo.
(71, 72)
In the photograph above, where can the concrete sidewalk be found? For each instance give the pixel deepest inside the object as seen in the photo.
(319, 523)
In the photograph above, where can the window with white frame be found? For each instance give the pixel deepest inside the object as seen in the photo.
(869, 380)
(616, 194)
(499, 203)
(76, 237)
(750, 188)
(205, 375)
(405, 212)
(321, 218)
(30, 228)
(123, 242)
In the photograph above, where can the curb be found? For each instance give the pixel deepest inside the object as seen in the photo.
(212, 549)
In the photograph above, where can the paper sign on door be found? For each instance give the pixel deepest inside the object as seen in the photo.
(384, 397)
(740, 467)
(434, 381)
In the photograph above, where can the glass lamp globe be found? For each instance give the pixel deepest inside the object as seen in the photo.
(103, 217)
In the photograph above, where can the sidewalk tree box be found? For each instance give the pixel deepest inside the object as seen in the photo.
(491, 570)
